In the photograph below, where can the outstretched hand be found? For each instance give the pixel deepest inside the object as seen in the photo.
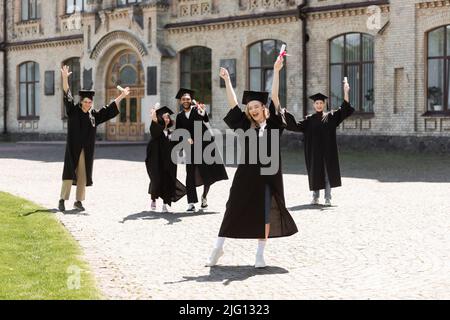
(65, 72)
(224, 74)
(125, 92)
(279, 64)
(153, 114)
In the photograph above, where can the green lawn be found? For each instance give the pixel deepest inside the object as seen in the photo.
(38, 258)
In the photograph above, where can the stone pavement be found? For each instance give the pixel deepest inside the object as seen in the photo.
(386, 237)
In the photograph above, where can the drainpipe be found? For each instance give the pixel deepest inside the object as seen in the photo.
(5, 68)
(304, 40)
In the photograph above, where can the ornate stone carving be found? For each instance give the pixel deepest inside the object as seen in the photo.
(117, 35)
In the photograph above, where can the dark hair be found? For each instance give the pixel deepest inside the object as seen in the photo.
(163, 123)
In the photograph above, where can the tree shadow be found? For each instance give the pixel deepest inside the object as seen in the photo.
(229, 274)
(170, 217)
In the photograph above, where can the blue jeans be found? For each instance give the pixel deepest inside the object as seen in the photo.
(316, 194)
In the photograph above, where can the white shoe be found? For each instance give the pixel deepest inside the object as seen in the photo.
(190, 209)
(153, 205)
(204, 203)
(164, 208)
(214, 258)
(328, 203)
(315, 202)
(260, 263)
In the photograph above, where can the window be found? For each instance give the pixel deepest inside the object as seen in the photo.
(73, 6)
(127, 2)
(438, 97)
(74, 79)
(127, 71)
(261, 56)
(29, 90)
(352, 56)
(196, 73)
(31, 10)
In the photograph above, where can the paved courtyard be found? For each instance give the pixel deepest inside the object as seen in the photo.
(387, 235)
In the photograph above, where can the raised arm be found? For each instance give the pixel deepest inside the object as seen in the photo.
(124, 93)
(69, 103)
(65, 72)
(231, 95)
(110, 111)
(346, 110)
(276, 82)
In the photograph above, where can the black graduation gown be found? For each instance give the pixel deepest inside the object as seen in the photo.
(160, 168)
(320, 144)
(207, 173)
(81, 134)
(244, 216)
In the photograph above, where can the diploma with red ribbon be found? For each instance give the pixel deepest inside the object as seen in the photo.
(283, 52)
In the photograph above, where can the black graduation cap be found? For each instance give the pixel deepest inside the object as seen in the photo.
(183, 91)
(162, 111)
(318, 96)
(255, 95)
(86, 94)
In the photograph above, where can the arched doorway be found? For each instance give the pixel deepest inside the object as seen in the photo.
(126, 70)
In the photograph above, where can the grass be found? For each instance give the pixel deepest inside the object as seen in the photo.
(39, 259)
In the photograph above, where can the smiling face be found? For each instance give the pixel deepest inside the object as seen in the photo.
(319, 105)
(166, 118)
(86, 104)
(256, 110)
(186, 101)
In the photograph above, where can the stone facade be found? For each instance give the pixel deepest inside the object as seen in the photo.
(158, 31)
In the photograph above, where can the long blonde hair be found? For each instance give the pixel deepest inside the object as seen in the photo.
(253, 123)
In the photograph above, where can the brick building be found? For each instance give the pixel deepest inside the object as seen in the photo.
(395, 53)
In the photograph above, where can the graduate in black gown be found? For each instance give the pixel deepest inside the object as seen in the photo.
(321, 152)
(82, 122)
(161, 170)
(201, 174)
(256, 206)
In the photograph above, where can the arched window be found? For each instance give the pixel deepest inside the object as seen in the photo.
(127, 70)
(29, 92)
(438, 80)
(261, 56)
(196, 73)
(352, 56)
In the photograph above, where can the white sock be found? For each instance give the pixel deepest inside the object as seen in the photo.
(219, 243)
(261, 247)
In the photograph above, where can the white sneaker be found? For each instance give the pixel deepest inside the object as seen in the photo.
(204, 203)
(214, 258)
(153, 205)
(190, 209)
(328, 203)
(260, 263)
(165, 209)
(315, 202)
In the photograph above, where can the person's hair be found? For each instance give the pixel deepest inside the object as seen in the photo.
(163, 123)
(249, 116)
(325, 112)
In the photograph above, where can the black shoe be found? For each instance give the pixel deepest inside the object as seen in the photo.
(204, 203)
(61, 206)
(190, 209)
(79, 206)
